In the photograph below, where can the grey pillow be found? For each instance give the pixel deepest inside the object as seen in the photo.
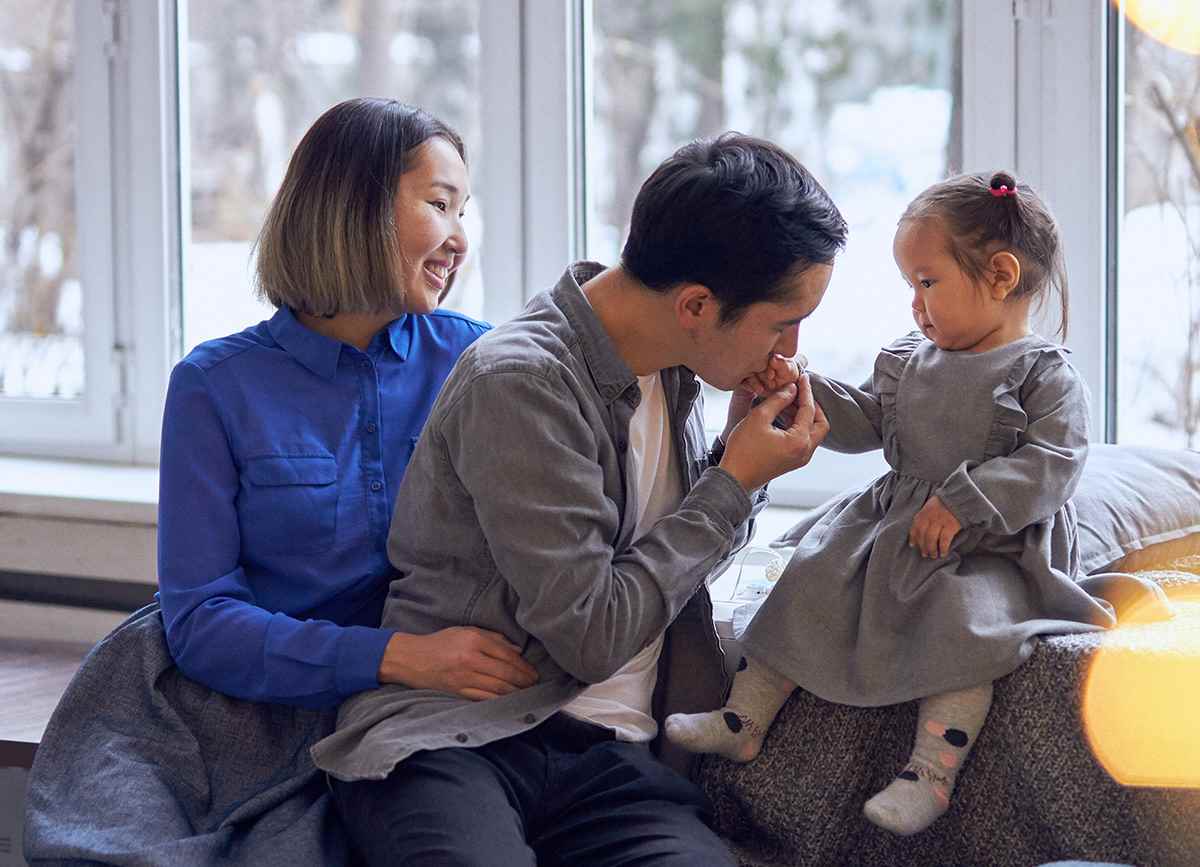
(1137, 507)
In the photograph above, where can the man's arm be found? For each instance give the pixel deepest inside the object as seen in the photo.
(522, 448)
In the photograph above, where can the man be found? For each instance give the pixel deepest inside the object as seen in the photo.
(562, 495)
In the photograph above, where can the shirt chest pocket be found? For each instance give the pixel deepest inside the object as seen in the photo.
(288, 504)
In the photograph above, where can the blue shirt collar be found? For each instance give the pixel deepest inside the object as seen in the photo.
(400, 335)
(320, 353)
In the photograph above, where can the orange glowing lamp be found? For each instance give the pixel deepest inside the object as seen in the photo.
(1172, 22)
(1141, 700)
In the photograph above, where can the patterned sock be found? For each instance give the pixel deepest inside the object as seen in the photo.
(735, 731)
(947, 726)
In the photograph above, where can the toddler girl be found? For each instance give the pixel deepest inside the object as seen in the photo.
(936, 579)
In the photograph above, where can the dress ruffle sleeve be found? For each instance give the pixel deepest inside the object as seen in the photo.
(861, 418)
(889, 367)
(1035, 451)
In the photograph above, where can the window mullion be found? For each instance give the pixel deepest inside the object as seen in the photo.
(501, 165)
(552, 121)
(1060, 150)
(989, 84)
(147, 176)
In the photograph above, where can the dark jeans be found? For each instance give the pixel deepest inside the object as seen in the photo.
(563, 793)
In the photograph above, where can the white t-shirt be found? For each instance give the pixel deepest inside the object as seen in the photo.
(623, 701)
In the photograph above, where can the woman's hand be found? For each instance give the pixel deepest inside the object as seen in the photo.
(933, 529)
(462, 660)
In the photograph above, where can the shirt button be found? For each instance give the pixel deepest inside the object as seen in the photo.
(366, 363)
(622, 445)
(371, 428)
(461, 738)
(530, 718)
(376, 486)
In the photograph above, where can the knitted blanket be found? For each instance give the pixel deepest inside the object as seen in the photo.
(1031, 791)
(142, 766)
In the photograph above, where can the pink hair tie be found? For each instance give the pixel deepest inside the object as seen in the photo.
(1002, 191)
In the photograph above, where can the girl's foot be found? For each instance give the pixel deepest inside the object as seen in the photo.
(723, 731)
(947, 726)
(735, 731)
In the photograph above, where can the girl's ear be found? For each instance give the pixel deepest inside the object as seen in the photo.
(1005, 274)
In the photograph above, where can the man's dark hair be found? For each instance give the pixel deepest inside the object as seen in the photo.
(735, 213)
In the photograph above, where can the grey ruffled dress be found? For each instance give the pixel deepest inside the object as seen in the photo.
(858, 617)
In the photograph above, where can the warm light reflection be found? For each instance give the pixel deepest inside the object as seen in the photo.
(1141, 700)
(1172, 22)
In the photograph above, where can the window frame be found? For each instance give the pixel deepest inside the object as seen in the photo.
(134, 213)
(1021, 74)
(91, 425)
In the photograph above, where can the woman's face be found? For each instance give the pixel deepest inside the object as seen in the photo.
(429, 206)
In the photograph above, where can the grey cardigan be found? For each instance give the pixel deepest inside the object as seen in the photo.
(516, 515)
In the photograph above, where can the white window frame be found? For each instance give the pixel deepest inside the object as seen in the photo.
(1061, 148)
(1033, 99)
(127, 213)
(88, 426)
(132, 161)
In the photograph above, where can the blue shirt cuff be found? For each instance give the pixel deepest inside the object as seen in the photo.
(360, 651)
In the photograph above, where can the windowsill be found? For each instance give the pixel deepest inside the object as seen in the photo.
(79, 490)
(124, 494)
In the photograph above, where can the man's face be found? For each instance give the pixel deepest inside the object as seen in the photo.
(728, 353)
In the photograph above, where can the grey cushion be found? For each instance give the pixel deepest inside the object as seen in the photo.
(1138, 507)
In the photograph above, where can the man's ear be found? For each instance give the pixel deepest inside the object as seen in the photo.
(695, 307)
(1005, 274)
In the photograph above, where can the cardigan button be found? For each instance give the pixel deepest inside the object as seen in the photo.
(530, 719)
(461, 738)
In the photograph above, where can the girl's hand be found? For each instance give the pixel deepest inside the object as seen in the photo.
(933, 529)
(779, 372)
(462, 660)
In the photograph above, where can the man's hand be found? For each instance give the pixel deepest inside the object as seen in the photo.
(933, 529)
(779, 372)
(462, 660)
(756, 451)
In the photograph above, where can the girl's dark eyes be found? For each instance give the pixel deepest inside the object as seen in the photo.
(441, 206)
(926, 283)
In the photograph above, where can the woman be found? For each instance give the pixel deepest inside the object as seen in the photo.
(282, 450)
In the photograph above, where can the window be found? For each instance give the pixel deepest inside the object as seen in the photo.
(867, 95)
(1156, 164)
(169, 124)
(56, 319)
(258, 75)
(42, 319)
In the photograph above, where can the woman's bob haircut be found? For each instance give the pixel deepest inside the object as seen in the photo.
(329, 242)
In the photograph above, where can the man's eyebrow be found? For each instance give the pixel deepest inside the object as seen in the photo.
(797, 320)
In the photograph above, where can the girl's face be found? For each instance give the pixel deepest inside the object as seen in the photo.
(954, 311)
(429, 207)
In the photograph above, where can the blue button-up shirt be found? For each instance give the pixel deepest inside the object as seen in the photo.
(282, 452)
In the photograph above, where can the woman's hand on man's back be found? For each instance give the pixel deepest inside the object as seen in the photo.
(462, 660)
